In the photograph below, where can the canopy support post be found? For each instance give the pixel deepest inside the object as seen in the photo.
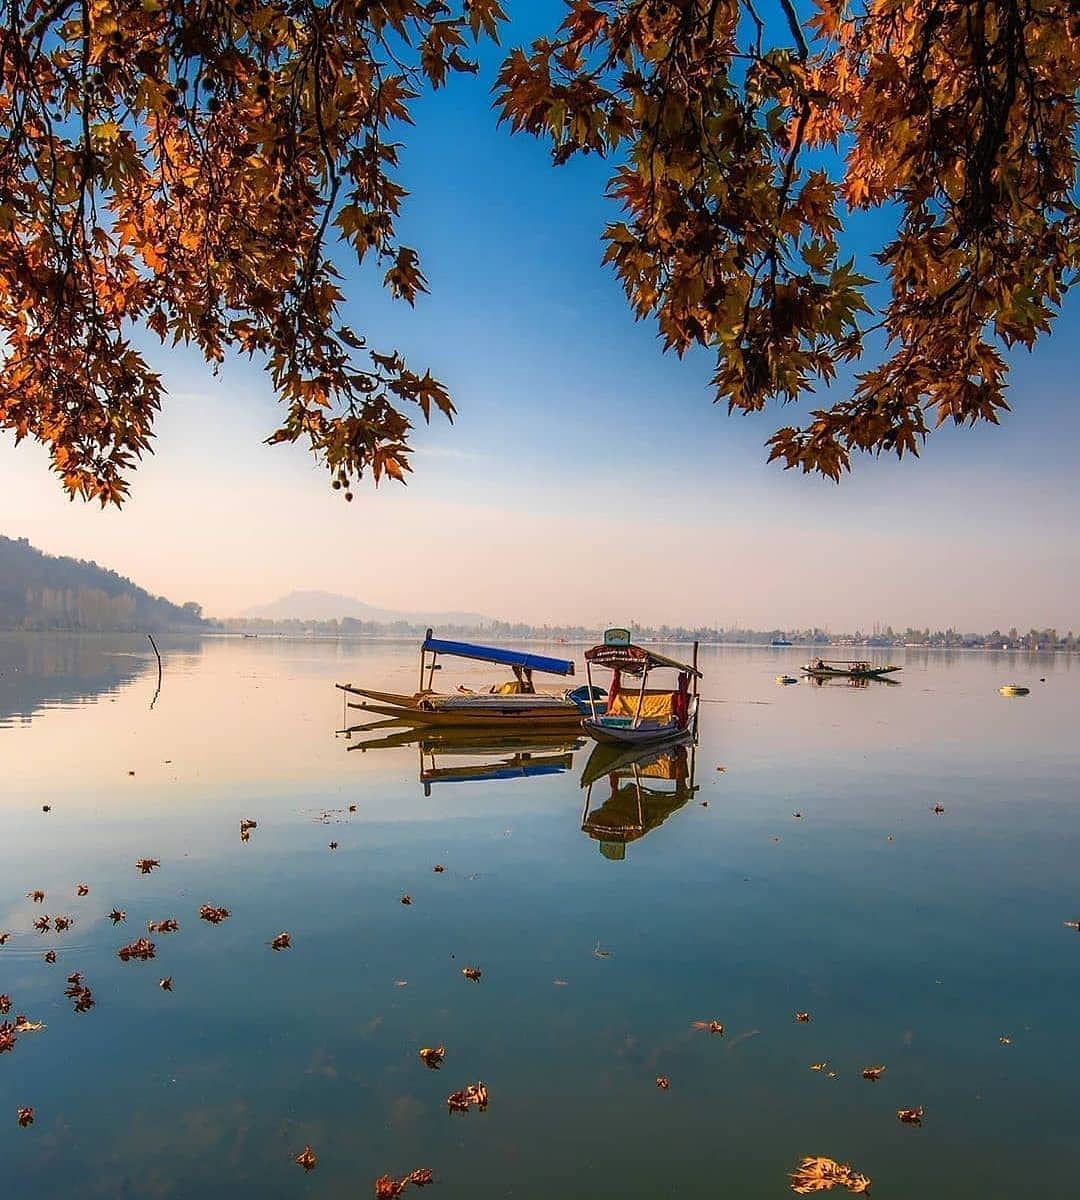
(592, 698)
(641, 698)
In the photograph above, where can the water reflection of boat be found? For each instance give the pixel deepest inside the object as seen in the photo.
(645, 786)
(822, 668)
(477, 756)
(851, 681)
(637, 716)
(514, 703)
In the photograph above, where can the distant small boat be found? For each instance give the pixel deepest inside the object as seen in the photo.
(822, 668)
(780, 641)
(1014, 689)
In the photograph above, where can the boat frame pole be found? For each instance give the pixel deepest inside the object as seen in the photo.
(592, 698)
(641, 698)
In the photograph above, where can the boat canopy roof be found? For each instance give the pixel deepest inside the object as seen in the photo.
(634, 659)
(493, 654)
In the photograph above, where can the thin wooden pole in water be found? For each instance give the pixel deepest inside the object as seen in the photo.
(158, 654)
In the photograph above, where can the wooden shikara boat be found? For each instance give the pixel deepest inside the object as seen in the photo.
(821, 668)
(515, 703)
(638, 716)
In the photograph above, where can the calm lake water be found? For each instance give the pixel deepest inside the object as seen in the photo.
(914, 939)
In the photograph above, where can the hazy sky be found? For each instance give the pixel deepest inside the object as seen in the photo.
(587, 477)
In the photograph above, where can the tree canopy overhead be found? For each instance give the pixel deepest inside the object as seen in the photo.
(195, 166)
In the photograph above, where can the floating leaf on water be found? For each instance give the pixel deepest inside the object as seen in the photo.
(432, 1056)
(475, 1094)
(1073, 925)
(401, 983)
(1005, 1041)
(4, 938)
(7, 1036)
(818, 1066)
(5, 1005)
(84, 1001)
(473, 973)
(246, 825)
(81, 889)
(938, 808)
(560, 983)
(663, 1083)
(146, 865)
(802, 1017)
(46, 808)
(796, 814)
(438, 868)
(406, 899)
(36, 896)
(352, 808)
(815, 1174)
(117, 915)
(25, 1025)
(214, 915)
(306, 1159)
(165, 984)
(141, 949)
(711, 1026)
(873, 1073)
(601, 953)
(63, 924)
(42, 924)
(26, 1117)
(169, 925)
(50, 956)
(387, 1187)
(910, 1116)
(281, 942)
(333, 845)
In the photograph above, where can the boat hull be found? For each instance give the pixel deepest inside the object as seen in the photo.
(561, 718)
(833, 673)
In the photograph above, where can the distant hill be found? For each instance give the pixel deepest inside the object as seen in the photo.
(39, 591)
(327, 606)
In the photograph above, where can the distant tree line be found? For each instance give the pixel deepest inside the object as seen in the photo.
(39, 592)
(508, 631)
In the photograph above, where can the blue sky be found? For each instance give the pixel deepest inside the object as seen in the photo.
(587, 476)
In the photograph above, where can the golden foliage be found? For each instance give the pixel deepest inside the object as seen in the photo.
(185, 169)
(742, 146)
(816, 1174)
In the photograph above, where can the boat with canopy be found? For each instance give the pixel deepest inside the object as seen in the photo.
(514, 701)
(637, 716)
(827, 668)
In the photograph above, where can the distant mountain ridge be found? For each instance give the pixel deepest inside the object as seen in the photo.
(42, 591)
(329, 606)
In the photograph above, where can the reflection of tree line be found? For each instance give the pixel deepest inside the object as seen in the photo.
(43, 670)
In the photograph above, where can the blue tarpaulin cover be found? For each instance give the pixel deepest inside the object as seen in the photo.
(492, 654)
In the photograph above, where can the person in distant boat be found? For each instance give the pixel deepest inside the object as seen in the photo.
(821, 664)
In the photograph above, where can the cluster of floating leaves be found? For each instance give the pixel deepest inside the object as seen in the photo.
(141, 949)
(214, 915)
(76, 990)
(475, 1094)
(817, 1174)
(432, 1056)
(387, 1187)
(146, 865)
(169, 925)
(873, 1073)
